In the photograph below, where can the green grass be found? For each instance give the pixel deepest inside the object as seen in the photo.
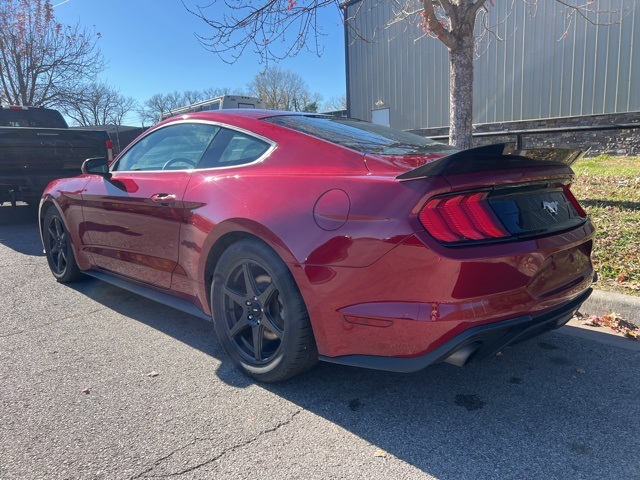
(609, 190)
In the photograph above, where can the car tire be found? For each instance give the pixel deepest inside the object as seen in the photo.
(58, 250)
(259, 314)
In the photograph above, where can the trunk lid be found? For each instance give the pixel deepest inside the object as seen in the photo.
(496, 193)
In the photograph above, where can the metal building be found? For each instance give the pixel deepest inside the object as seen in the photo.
(537, 63)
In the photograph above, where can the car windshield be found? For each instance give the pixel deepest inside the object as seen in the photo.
(361, 136)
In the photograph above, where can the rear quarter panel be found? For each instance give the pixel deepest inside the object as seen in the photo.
(301, 203)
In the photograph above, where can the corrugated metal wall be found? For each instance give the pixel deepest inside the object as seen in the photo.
(532, 73)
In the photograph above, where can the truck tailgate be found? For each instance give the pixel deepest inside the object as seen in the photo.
(47, 150)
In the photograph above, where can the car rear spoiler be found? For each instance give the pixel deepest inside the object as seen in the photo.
(500, 156)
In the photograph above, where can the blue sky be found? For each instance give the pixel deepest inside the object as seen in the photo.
(151, 48)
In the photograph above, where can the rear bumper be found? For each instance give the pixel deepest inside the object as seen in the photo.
(473, 344)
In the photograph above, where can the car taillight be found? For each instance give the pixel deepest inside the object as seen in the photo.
(109, 145)
(461, 218)
(574, 201)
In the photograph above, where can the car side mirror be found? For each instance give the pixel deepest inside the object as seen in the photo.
(96, 166)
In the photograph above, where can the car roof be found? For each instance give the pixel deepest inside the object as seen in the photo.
(252, 113)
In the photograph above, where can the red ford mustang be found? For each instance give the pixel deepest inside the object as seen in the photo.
(306, 237)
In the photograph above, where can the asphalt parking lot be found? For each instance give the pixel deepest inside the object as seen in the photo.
(98, 383)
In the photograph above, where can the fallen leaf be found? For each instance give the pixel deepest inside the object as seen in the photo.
(380, 453)
(615, 322)
(592, 321)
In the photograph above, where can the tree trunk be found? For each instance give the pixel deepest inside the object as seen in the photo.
(461, 94)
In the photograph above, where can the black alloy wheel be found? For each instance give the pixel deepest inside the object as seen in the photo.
(259, 315)
(57, 247)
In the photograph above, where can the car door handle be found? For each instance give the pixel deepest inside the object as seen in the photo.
(164, 198)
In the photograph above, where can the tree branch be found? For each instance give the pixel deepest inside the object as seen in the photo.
(434, 25)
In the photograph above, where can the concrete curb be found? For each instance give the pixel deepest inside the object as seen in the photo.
(601, 303)
(607, 336)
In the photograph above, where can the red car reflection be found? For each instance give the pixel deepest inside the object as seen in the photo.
(307, 237)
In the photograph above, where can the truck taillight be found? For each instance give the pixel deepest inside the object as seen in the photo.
(109, 145)
(461, 218)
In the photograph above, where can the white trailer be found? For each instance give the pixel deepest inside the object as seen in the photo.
(217, 103)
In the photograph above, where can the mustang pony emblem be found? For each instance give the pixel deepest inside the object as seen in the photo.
(551, 207)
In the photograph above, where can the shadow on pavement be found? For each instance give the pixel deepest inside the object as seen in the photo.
(553, 407)
(558, 406)
(190, 330)
(19, 215)
(19, 229)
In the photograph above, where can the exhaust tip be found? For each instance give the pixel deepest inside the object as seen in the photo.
(460, 357)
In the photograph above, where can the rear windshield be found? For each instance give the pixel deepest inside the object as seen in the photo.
(32, 117)
(362, 136)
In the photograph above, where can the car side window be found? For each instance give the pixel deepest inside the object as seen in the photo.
(174, 147)
(231, 148)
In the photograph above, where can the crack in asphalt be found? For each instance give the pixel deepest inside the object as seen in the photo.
(230, 449)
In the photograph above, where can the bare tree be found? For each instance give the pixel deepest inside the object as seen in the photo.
(277, 29)
(159, 103)
(213, 92)
(335, 103)
(98, 104)
(282, 90)
(274, 29)
(122, 108)
(193, 96)
(153, 108)
(42, 61)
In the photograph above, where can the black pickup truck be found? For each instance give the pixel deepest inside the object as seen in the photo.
(37, 146)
